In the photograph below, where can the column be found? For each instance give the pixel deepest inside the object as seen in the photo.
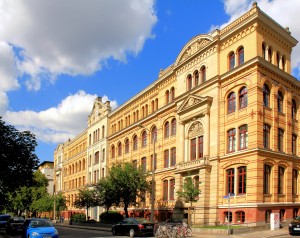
(207, 135)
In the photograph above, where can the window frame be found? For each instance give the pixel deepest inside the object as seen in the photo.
(231, 102)
(280, 99)
(231, 60)
(243, 98)
(266, 95)
(280, 188)
(242, 179)
(144, 139)
(243, 137)
(230, 177)
(241, 55)
(231, 136)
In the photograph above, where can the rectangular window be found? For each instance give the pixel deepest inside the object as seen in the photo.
(280, 139)
(230, 180)
(172, 189)
(280, 180)
(231, 140)
(193, 149)
(295, 182)
(166, 158)
(267, 179)
(200, 147)
(294, 144)
(266, 136)
(173, 156)
(144, 164)
(242, 178)
(165, 190)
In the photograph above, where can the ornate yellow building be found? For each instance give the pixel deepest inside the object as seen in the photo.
(225, 113)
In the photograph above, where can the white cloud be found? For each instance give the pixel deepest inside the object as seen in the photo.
(57, 124)
(284, 12)
(73, 37)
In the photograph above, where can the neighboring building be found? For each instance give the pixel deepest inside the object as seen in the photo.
(47, 169)
(226, 113)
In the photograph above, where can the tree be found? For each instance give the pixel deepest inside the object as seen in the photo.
(17, 159)
(86, 198)
(128, 183)
(34, 198)
(190, 191)
(105, 193)
(189, 194)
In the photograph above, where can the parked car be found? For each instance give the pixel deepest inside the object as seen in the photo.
(14, 225)
(3, 220)
(294, 226)
(38, 228)
(134, 226)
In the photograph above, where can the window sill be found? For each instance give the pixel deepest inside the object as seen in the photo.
(268, 195)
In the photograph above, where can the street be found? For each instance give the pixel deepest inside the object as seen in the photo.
(71, 232)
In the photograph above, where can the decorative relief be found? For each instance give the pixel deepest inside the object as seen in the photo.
(194, 48)
(191, 102)
(196, 129)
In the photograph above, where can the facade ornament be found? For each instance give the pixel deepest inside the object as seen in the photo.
(196, 129)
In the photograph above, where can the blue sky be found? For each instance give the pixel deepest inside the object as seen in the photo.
(58, 55)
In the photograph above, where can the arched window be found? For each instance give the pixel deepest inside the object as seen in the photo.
(263, 49)
(231, 60)
(143, 111)
(144, 164)
(280, 101)
(96, 158)
(243, 97)
(189, 82)
(144, 139)
(146, 110)
(203, 74)
(172, 189)
(294, 109)
(270, 54)
(242, 179)
(231, 102)
(103, 155)
(240, 216)
(154, 134)
(243, 137)
(266, 136)
(167, 96)
(166, 158)
(283, 63)
(173, 127)
(156, 103)
(165, 190)
(120, 149)
(277, 59)
(240, 55)
(103, 132)
(172, 94)
(126, 146)
(135, 142)
(266, 95)
(280, 139)
(196, 77)
(230, 180)
(173, 156)
(231, 140)
(167, 130)
(152, 106)
(113, 152)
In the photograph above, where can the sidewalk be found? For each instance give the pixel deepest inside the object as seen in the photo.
(253, 234)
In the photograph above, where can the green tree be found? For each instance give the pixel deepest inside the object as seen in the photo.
(128, 183)
(33, 199)
(106, 193)
(86, 198)
(190, 191)
(17, 158)
(60, 202)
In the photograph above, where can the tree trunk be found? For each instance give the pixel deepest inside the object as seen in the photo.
(126, 210)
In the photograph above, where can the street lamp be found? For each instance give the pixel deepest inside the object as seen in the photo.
(153, 175)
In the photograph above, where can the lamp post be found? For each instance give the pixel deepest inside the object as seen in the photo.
(153, 174)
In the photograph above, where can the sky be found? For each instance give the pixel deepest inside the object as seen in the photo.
(56, 56)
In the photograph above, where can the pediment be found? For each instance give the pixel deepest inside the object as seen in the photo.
(193, 46)
(99, 110)
(192, 102)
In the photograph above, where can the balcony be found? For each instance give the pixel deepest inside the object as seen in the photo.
(192, 165)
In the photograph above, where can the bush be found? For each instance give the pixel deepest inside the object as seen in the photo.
(78, 217)
(111, 216)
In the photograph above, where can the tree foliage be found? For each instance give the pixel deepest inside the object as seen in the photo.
(124, 185)
(32, 199)
(190, 191)
(86, 198)
(17, 159)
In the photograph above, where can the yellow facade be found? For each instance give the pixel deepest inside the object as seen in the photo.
(226, 114)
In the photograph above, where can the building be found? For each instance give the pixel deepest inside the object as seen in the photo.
(47, 168)
(224, 113)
